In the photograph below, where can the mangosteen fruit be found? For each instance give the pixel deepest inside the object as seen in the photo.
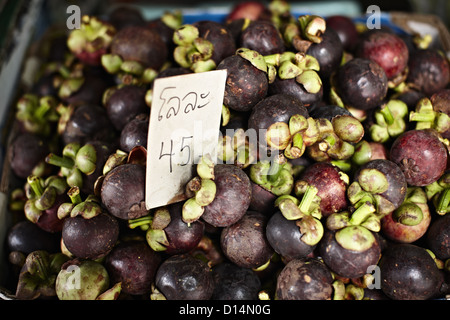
(134, 264)
(304, 279)
(184, 277)
(421, 156)
(408, 272)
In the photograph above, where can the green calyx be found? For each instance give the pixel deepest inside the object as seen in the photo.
(254, 57)
(41, 195)
(427, 118)
(342, 291)
(293, 137)
(192, 51)
(37, 114)
(439, 194)
(357, 195)
(89, 208)
(335, 139)
(389, 121)
(355, 238)
(306, 213)
(274, 176)
(92, 36)
(38, 275)
(299, 66)
(129, 72)
(200, 190)
(154, 224)
(75, 161)
(312, 27)
(410, 212)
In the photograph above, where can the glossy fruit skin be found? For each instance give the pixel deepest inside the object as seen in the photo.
(263, 37)
(125, 104)
(438, 238)
(388, 50)
(219, 36)
(49, 220)
(274, 108)
(26, 237)
(284, 237)
(332, 189)
(87, 123)
(428, 71)
(401, 233)
(141, 44)
(345, 29)
(421, 156)
(292, 87)
(361, 83)
(25, 152)
(134, 133)
(182, 237)
(409, 273)
(123, 191)
(347, 263)
(233, 196)
(397, 184)
(328, 53)
(244, 242)
(262, 200)
(232, 282)
(183, 277)
(90, 238)
(245, 85)
(304, 279)
(134, 264)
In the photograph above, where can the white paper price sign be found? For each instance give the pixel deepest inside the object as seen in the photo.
(184, 125)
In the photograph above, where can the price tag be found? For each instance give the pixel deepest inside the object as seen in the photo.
(184, 125)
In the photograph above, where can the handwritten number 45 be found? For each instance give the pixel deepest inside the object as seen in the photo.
(185, 146)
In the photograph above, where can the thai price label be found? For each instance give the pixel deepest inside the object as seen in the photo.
(184, 124)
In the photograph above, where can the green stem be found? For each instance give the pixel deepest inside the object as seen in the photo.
(307, 199)
(74, 195)
(421, 117)
(58, 161)
(139, 222)
(35, 184)
(388, 117)
(362, 213)
(443, 203)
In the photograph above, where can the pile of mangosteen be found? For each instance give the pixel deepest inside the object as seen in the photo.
(343, 193)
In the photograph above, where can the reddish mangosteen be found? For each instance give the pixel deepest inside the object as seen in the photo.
(331, 184)
(252, 10)
(410, 221)
(421, 156)
(388, 50)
